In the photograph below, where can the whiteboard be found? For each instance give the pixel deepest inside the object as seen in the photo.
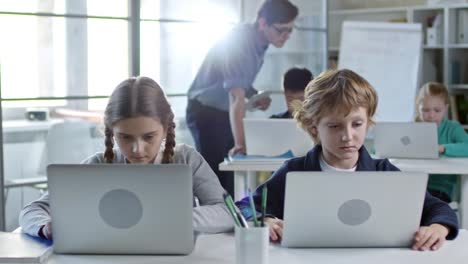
(388, 55)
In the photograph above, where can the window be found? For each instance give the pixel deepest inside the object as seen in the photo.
(65, 50)
(68, 48)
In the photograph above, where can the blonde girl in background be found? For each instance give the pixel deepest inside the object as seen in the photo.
(432, 106)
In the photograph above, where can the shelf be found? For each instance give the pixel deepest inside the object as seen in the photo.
(428, 8)
(368, 11)
(433, 47)
(436, 47)
(376, 10)
(289, 52)
(458, 46)
(458, 86)
(457, 6)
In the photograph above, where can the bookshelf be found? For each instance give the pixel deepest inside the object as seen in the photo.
(444, 57)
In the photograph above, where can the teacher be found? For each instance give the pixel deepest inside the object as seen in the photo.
(216, 98)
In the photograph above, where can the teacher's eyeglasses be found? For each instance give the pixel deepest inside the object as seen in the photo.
(286, 30)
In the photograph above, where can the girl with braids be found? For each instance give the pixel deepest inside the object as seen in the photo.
(139, 120)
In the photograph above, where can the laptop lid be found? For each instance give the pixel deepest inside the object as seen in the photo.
(121, 209)
(406, 140)
(352, 209)
(272, 137)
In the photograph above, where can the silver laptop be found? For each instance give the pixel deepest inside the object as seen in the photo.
(272, 137)
(352, 209)
(121, 209)
(406, 140)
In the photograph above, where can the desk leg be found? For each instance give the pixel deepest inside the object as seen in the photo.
(463, 206)
(251, 181)
(240, 184)
(243, 180)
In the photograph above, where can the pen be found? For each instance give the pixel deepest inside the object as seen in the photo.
(231, 210)
(264, 200)
(243, 222)
(254, 211)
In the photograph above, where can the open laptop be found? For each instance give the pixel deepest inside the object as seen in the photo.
(121, 209)
(352, 209)
(272, 137)
(406, 140)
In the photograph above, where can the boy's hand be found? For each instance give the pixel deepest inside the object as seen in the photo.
(275, 227)
(430, 237)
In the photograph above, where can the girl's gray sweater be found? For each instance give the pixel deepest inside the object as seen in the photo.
(212, 216)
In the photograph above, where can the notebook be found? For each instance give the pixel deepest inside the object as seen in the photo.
(352, 209)
(22, 248)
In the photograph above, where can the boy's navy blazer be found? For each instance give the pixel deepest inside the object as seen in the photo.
(434, 210)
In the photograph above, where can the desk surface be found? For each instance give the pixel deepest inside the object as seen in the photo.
(436, 166)
(220, 249)
(250, 166)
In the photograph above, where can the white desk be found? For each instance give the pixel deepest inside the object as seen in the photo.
(442, 166)
(23, 125)
(244, 175)
(219, 249)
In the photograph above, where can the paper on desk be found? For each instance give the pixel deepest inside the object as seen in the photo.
(249, 106)
(261, 158)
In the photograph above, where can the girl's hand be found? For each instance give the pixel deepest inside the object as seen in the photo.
(275, 228)
(46, 231)
(441, 149)
(430, 237)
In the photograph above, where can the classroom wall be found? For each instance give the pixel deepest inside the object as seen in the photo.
(307, 7)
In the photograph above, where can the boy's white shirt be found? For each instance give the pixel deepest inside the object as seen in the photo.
(327, 167)
(211, 217)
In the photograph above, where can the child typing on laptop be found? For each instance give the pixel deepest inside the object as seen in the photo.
(295, 81)
(140, 120)
(337, 111)
(432, 105)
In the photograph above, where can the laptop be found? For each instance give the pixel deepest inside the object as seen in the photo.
(273, 137)
(352, 209)
(406, 140)
(121, 209)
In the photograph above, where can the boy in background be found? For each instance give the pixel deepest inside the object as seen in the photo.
(295, 81)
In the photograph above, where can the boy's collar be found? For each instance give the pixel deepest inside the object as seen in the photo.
(364, 163)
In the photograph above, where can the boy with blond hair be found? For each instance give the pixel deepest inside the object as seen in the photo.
(337, 111)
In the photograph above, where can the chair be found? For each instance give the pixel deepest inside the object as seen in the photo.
(68, 142)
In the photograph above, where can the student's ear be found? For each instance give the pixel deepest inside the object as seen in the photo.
(262, 23)
(313, 131)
